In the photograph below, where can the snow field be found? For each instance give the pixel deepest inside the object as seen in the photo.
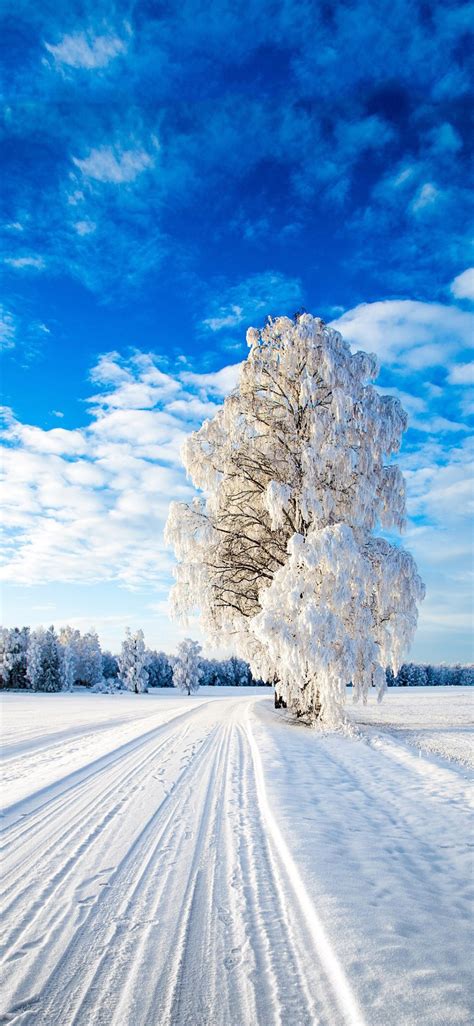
(205, 861)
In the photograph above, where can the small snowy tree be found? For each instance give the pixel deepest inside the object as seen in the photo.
(132, 662)
(187, 666)
(279, 554)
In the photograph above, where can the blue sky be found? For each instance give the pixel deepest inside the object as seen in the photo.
(175, 172)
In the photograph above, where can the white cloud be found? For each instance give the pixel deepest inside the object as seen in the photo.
(440, 504)
(89, 504)
(140, 385)
(31, 262)
(86, 50)
(462, 374)
(112, 164)
(426, 196)
(57, 440)
(7, 329)
(109, 370)
(85, 227)
(463, 286)
(230, 320)
(407, 333)
(219, 382)
(252, 300)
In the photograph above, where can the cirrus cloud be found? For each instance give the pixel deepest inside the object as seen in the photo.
(86, 50)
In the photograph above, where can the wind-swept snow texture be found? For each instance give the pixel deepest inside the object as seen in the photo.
(172, 861)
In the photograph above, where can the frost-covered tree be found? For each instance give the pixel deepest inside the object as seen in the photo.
(6, 661)
(89, 668)
(109, 666)
(44, 660)
(160, 672)
(34, 654)
(418, 676)
(70, 642)
(187, 666)
(211, 673)
(132, 662)
(50, 678)
(280, 552)
(466, 677)
(13, 647)
(237, 672)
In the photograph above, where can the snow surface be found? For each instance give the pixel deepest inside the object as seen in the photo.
(206, 861)
(437, 721)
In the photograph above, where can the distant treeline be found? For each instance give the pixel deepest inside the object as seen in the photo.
(413, 675)
(47, 660)
(50, 660)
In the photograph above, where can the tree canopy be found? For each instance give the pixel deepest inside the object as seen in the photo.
(279, 552)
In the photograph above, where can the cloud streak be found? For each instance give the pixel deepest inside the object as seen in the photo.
(86, 50)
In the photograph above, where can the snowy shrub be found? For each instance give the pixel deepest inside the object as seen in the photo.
(279, 553)
(106, 686)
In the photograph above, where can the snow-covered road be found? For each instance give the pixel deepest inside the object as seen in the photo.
(203, 862)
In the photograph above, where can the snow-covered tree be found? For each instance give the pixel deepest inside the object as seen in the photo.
(109, 666)
(160, 672)
(43, 660)
(6, 661)
(211, 673)
(13, 647)
(418, 676)
(89, 669)
(280, 553)
(132, 662)
(187, 666)
(70, 642)
(50, 678)
(237, 672)
(34, 654)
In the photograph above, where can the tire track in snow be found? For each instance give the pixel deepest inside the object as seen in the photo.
(60, 857)
(204, 920)
(281, 993)
(61, 915)
(78, 986)
(53, 794)
(346, 1000)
